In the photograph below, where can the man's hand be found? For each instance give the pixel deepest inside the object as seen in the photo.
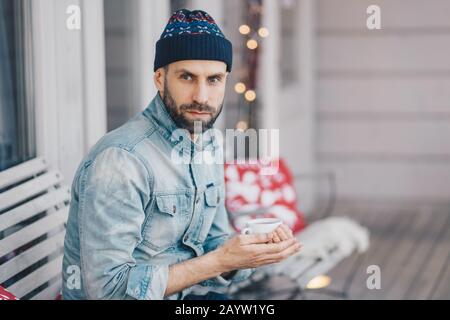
(255, 250)
(239, 252)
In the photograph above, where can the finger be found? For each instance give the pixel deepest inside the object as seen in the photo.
(296, 247)
(275, 259)
(270, 262)
(258, 238)
(287, 230)
(282, 234)
(276, 237)
(277, 247)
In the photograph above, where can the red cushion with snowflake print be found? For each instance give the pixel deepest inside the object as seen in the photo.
(252, 187)
(6, 295)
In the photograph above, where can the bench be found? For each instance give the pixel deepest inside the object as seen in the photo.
(34, 207)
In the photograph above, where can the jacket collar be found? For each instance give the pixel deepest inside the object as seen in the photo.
(158, 114)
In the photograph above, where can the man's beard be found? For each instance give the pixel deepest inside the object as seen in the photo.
(177, 115)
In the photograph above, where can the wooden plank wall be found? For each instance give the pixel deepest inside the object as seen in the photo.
(383, 99)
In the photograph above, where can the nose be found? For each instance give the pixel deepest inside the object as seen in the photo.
(201, 94)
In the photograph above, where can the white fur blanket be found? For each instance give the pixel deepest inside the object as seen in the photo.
(340, 233)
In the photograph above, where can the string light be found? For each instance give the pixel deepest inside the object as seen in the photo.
(242, 125)
(244, 29)
(252, 44)
(240, 88)
(255, 9)
(263, 32)
(250, 95)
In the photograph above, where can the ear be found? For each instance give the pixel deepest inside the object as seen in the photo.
(158, 78)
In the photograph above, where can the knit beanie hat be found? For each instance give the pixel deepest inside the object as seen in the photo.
(192, 35)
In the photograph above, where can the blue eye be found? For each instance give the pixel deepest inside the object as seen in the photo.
(214, 80)
(186, 77)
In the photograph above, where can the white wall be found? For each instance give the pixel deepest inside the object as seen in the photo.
(289, 101)
(69, 82)
(383, 99)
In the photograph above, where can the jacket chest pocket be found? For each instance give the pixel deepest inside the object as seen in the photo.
(166, 221)
(212, 200)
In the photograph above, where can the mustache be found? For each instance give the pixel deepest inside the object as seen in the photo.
(197, 107)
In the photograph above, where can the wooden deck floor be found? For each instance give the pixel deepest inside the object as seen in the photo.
(411, 247)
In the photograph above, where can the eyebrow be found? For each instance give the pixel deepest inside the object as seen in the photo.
(184, 71)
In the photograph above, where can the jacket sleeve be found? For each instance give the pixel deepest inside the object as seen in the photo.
(114, 191)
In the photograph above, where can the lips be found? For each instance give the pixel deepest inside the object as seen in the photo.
(198, 113)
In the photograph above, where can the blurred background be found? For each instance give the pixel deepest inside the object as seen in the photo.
(369, 108)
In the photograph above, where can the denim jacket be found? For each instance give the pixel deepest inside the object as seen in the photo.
(135, 211)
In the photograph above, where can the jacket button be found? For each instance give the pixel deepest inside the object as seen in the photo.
(197, 200)
(218, 199)
(186, 238)
(174, 209)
